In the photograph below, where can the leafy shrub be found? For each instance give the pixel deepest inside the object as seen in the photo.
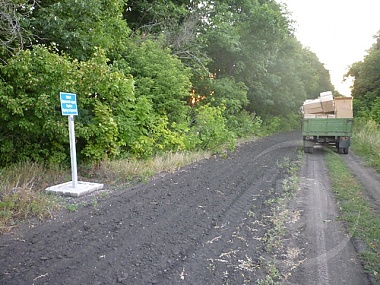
(161, 78)
(281, 124)
(31, 123)
(210, 129)
(244, 124)
(158, 139)
(366, 140)
(369, 107)
(272, 125)
(226, 92)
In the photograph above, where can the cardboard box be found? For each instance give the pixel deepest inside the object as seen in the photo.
(344, 113)
(316, 103)
(309, 116)
(322, 116)
(312, 106)
(331, 116)
(343, 103)
(326, 98)
(328, 106)
(313, 110)
(327, 93)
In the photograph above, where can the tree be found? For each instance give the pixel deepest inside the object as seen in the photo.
(160, 77)
(13, 35)
(366, 87)
(154, 17)
(77, 27)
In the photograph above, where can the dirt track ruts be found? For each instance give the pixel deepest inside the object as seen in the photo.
(328, 253)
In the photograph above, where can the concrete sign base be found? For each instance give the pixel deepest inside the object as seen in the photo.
(66, 189)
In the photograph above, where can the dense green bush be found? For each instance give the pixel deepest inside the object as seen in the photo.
(210, 129)
(31, 123)
(281, 124)
(161, 78)
(244, 124)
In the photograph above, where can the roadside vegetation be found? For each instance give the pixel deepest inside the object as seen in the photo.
(366, 141)
(366, 94)
(22, 187)
(362, 220)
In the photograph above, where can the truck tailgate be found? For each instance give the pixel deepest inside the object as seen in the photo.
(327, 127)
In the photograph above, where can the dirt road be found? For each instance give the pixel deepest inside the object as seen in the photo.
(208, 223)
(329, 255)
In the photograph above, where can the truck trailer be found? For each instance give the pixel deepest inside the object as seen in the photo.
(327, 131)
(327, 120)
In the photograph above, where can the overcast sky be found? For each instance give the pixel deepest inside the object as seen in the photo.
(338, 31)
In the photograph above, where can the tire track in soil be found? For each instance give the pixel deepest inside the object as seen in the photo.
(151, 233)
(328, 253)
(217, 248)
(367, 176)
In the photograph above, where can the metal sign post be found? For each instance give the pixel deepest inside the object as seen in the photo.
(72, 188)
(73, 152)
(69, 108)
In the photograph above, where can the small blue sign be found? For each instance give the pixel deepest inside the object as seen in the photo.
(68, 103)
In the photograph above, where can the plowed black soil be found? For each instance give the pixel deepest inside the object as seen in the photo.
(204, 224)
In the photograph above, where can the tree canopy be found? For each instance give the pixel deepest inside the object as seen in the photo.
(366, 86)
(150, 76)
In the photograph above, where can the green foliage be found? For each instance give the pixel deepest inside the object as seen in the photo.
(159, 139)
(366, 141)
(13, 36)
(31, 123)
(366, 87)
(78, 27)
(133, 89)
(250, 41)
(210, 129)
(244, 124)
(161, 78)
(29, 116)
(226, 92)
(280, 124)
(141, 16)
(366, 73)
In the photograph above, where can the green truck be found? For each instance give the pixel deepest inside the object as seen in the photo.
(327, 131)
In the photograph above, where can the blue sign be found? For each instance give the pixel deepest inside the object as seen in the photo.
(68, 103)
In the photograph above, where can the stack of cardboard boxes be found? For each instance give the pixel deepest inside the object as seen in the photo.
(326, 106)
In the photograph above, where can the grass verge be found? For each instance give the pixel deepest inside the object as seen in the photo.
(362, 221)
(22, 185)
(21, 197)
(120, 171)
(366, 141)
